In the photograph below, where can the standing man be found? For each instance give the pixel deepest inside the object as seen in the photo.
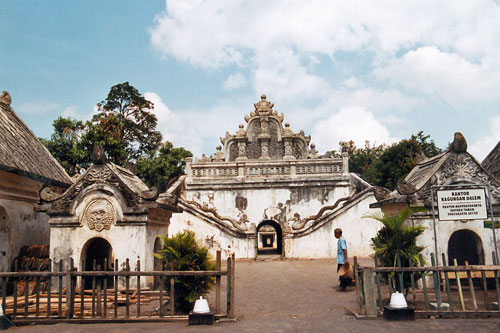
(342, 257)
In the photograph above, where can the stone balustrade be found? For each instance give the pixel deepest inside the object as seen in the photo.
(257, 168)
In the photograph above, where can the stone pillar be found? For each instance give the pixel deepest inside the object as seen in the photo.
(293, 169)
(264, 147)
(288, 149)
(189, 171)
(345, 163)
(288, 142)
(242, 150)
(242, 144)
(241, 170)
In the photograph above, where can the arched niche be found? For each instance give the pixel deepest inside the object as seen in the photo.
(269, 238)
(97, 250)
(465, 245)
(157, 264)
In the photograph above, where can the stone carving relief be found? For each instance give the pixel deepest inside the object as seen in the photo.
(218, 156)
(97, 174)
(300, 223)
(313, 153)
(459, 167)
(265, 137)
(99, 215)
(238, 224)
(277, 213)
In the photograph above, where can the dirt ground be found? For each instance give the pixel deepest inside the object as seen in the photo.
(288, 296)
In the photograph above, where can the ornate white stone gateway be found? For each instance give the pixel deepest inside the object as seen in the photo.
(99, 215)
(267, 175)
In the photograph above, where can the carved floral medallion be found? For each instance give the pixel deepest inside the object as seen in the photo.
(99, 215)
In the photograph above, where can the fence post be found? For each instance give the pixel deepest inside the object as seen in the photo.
(233, 266)
(172, 296)
(400, 274)
(217, 282)
(127, 289)
(424, 283)
(69, 289)
(437, 285)
(138, 268)
(115, 309)
(497, 285)
(471, 286)
(357, 282)
(229, 270)
(369, 291)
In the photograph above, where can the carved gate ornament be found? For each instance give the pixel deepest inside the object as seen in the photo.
(99, 215)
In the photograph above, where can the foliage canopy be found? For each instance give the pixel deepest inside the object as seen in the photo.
(384, 165)
(124, 125)
(126, 128)
(167, 163)
(65, 146)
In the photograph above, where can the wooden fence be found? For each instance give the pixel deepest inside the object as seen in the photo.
(445, 291)
(60, 295)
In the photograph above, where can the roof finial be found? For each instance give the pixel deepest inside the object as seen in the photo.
(459, 145)
(98, 155)
(5, 98)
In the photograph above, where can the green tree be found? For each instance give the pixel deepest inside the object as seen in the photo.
(396, 238)
(361, 160)
(124, 125)
(163, 165)
(399, 159)
(182, 252)
(64, 144)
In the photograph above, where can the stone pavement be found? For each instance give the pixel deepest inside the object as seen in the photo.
(288, 296)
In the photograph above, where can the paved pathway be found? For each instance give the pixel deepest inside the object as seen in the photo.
(289, 296)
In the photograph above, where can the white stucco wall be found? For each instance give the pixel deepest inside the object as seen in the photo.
(356, 230)
(212, 237)
(317, 244)
(445, 229)
(126, 242)
(22, 226)
(266, 203)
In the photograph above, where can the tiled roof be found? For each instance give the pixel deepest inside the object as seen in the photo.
(21, 152)
(492, 162)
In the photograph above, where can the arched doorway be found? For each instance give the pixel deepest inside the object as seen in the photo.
(98, 250)
(4, 240)
(269, 238)
(465, 245)
(157, 265)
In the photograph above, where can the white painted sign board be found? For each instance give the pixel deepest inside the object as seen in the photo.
(465, 204)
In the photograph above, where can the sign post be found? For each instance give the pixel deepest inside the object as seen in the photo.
(462, 202)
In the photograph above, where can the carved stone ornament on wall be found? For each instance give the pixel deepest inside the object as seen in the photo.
(99, 215)
(97, 174)
(463, 169)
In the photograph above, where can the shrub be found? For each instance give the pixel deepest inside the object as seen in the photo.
(182, 252)
(395, 238)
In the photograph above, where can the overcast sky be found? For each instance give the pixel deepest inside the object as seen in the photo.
(339, 70)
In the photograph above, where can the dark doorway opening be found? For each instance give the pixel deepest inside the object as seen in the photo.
(465, 245)
(157, 264)
(100, 252)
(269, 238)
